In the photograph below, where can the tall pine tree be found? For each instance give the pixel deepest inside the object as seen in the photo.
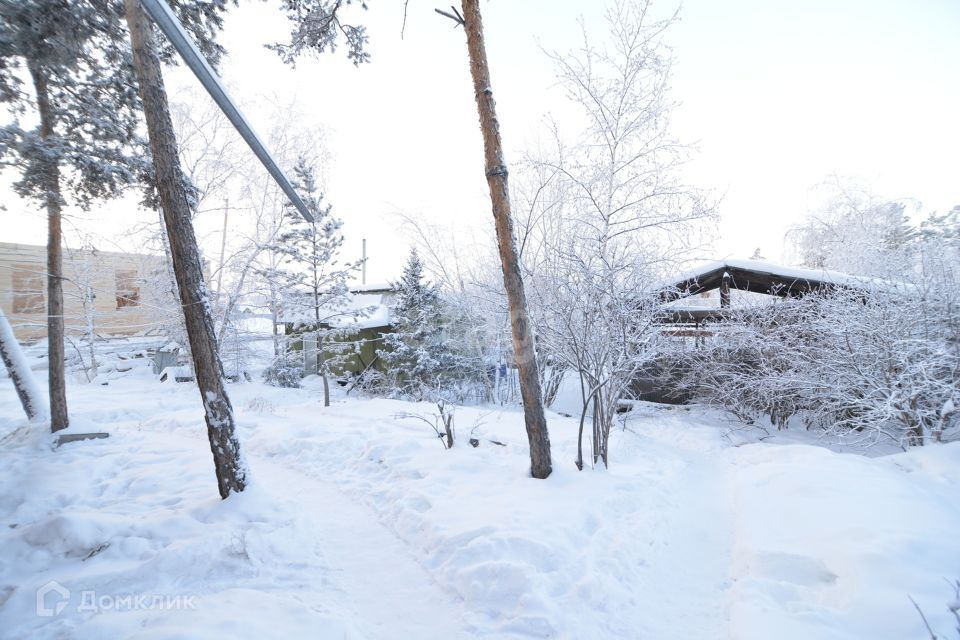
(67, 80)
(65, 77)
(231, 471)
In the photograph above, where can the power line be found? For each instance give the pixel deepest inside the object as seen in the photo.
(171, 27)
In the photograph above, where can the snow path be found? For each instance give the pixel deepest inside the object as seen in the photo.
(654, 536)
(672, 541)
(290, 557)
(358, 524)
(388, 591)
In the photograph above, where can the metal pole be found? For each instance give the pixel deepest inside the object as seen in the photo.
(161, 14)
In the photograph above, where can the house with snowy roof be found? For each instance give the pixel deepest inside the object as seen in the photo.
(704, 293)
(715, 291)
(361, 325)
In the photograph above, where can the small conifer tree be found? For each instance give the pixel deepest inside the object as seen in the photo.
(423, 356)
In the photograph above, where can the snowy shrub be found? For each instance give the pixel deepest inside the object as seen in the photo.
(953, 606)
(286, 370)
(879, 359)
(877, 364)
(441, 422)
(261, 405)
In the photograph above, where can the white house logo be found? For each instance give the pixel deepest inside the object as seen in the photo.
(51, 599)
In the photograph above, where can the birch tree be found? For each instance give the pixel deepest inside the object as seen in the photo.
(856, 232)
(606, 212)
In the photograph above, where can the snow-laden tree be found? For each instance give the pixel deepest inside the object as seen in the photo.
(318, 26)
(65, 78)
(86, 263)
(425, 355)
(67, 81)
(862, 364)
(875, 359)
(248, 207)
(605, 210)
(855, 232)
(467, 275)
(596, 318)
(311, 274)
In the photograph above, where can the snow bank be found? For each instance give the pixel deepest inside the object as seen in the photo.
(831, 545)
(359, 524)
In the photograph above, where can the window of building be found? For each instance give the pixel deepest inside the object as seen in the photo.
(28, 288)
(128, 288)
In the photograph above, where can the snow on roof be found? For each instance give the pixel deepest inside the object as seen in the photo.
(373, 309)
(372, 287)
(794, 273)
(760, 276)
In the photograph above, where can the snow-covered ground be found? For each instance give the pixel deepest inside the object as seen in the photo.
(358, 524)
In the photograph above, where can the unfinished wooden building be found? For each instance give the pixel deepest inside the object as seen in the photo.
(117, 293)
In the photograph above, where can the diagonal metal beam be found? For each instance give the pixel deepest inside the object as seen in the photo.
(171, 27)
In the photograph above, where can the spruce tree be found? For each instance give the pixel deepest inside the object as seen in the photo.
(423, 356)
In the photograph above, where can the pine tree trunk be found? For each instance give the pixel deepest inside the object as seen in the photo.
(221, 429)
(496, 169)
(59, 419)
(19, 371)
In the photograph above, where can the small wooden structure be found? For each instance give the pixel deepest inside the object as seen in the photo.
(754, 276)
(77, 437)
(359, 337)
(689, 310)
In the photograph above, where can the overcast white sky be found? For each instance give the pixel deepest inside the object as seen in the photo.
(775, 95)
